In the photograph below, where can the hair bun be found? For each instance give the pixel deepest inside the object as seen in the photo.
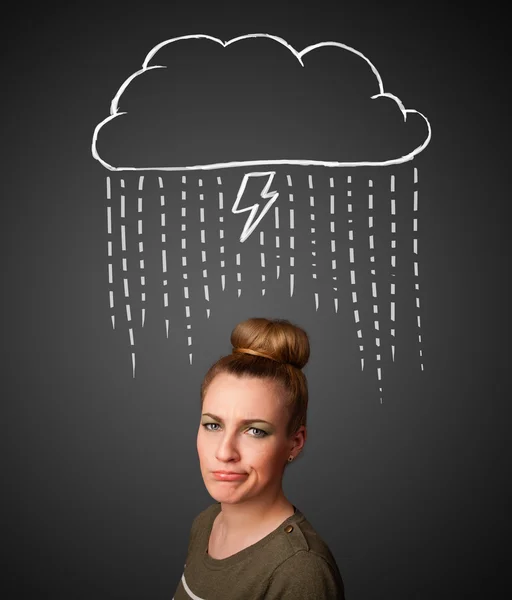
(277, 339)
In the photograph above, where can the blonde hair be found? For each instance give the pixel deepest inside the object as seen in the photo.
(272, 349)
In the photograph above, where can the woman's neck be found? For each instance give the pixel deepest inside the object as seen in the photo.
(236, 521)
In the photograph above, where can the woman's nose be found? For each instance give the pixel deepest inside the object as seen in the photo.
(227, 448)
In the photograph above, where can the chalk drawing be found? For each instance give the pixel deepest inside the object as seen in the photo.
(115, 111)
(332, 229)
(295, 211)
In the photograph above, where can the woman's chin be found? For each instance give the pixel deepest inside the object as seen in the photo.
(219, 491)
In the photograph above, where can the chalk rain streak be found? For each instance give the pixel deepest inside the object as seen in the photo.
(299, 201)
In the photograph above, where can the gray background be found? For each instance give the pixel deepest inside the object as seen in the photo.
(101, 478)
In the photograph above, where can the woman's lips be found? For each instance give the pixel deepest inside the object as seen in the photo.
(220, 476)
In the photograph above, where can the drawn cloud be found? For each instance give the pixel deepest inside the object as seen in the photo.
(201, 103)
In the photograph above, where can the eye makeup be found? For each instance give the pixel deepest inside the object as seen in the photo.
(261, 433)
(260, 424)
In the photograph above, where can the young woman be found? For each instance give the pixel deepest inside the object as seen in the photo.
(253, 543)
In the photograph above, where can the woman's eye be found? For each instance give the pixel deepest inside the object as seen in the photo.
(206, 426)
(260, 433)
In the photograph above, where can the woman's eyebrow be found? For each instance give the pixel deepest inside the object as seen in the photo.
(243, 421)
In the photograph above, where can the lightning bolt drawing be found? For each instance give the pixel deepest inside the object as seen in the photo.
(252, 223)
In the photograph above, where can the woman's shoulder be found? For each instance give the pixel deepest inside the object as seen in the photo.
(202, 524)
(306, 574)
(308, 569)
(207, 515)
(306, 543)
(211, 510)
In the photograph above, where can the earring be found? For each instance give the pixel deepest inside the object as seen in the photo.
(290, 458)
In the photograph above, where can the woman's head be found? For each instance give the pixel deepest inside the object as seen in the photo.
(253, 410)
(287, 347)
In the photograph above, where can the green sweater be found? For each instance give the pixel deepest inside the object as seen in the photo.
(290, 563)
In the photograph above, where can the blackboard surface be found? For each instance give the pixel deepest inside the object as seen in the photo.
(101, 479)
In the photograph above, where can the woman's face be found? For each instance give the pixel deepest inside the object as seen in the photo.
(243, 429)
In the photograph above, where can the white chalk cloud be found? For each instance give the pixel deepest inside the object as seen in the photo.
(198, 102)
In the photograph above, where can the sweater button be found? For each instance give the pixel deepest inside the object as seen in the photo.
(288, 528)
